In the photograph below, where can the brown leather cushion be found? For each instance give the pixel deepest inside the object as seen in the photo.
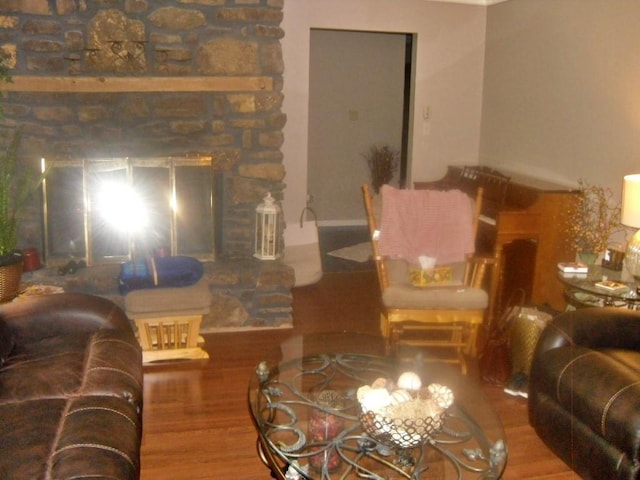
(87, 437)
(105, 363)
(112, 368)
(599, 387)
(29, 430)
(49, 368)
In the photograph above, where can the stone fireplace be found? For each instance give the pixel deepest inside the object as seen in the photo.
(136, 78)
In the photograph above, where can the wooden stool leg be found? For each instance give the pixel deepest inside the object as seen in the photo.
(171, 338)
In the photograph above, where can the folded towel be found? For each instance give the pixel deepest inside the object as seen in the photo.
(426, 222)
(178, 271)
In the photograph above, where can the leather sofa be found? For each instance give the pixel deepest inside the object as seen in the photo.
(584, 391)
(70, 390)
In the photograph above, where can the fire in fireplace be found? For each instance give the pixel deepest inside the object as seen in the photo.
(110, 210)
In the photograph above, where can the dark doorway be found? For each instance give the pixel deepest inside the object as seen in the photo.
(361, 86)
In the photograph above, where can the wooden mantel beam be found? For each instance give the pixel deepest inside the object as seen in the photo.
(50, 84)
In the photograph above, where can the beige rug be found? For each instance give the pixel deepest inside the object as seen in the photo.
(360, 252)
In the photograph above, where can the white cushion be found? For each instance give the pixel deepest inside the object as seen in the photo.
(447, 298)
(169, 301)
(452, 296)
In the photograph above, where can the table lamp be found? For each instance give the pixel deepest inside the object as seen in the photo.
(631, 218)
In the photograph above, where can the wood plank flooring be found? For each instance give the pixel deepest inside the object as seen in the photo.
(196, 420)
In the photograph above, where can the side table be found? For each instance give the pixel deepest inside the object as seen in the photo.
(581, 289)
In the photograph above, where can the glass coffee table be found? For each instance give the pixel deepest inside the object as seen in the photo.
(582, 289)
(304, 402)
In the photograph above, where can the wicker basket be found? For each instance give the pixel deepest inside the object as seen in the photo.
(401, 433)
(525, 331)
(10, 276)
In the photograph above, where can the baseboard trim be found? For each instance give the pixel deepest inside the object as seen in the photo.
(342, 223)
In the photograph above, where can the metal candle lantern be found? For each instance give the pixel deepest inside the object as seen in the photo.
(267, 234)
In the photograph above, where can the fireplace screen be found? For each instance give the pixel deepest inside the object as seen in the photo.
(116, 209)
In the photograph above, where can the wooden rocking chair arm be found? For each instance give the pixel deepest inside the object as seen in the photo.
(477, 268)
(485, 259)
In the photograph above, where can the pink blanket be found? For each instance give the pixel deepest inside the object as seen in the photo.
(426, 222)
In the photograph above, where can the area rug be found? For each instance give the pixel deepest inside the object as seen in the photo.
(360, 252)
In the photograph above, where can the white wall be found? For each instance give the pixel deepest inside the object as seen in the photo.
(562, 89)
(449, 72)
(355, 101)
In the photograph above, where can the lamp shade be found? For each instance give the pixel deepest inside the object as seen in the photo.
(631, 201)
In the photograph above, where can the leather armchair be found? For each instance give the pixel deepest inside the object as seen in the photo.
(584, 391)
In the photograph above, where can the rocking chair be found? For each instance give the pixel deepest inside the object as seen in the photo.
(442, 317)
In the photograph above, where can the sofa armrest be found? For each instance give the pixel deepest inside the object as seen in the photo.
(49, 315)
(584, 393)
(592, 328)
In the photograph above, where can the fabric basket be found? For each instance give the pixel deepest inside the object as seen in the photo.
(523, 337)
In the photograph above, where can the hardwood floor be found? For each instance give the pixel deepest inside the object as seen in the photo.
(196, 419)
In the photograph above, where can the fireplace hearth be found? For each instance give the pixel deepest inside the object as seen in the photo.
(245, 294)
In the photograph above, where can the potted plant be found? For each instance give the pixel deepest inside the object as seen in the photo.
(592, 221)
(17, 184)
(383, 161)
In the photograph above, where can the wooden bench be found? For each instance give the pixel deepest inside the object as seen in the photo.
(168, 321)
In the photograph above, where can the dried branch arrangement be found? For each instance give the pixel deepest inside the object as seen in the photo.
(594, 218)
(383, 161)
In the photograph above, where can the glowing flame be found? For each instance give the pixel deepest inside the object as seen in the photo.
(122, 208)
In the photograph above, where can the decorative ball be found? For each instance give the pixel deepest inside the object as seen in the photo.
(441, 395)
(375, 399)
(379, 382)
(409, 381)
(362, 392)
(400, 396)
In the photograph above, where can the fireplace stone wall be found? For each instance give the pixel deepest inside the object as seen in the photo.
(137, 78)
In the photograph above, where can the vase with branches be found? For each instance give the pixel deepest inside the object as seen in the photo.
(593, 219)
(383, 161)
